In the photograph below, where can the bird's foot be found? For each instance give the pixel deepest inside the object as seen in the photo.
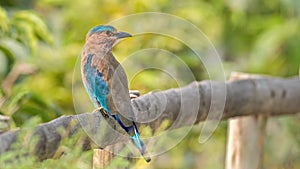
(134, 94)
(102, 111)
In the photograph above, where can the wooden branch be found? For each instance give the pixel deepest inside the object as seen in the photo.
(272, 96)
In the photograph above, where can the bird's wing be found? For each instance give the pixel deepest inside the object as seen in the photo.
(119, 96)
(88, 73)
(95, 83)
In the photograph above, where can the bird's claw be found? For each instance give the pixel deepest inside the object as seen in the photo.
(102, 111)
(134, 94)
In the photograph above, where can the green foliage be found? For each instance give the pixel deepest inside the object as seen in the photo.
(72, 157)
(28, 28)
(22, 156)
(10, 59)
(3, 22)
(119, 162)
(20, 32)
(25, 27)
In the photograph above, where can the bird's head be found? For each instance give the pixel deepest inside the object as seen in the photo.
(105, 34)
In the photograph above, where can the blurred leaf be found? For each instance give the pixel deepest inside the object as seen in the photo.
(16, 100)
(10, 58)
(163, 126)
(1, 93)
(29, 28)
(269, 46)
(4, 23)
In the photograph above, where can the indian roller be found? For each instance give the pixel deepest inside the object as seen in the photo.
(106, 82)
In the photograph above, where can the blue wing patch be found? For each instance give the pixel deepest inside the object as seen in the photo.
(97, 87)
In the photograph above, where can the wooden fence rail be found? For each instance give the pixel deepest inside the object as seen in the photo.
(269, 96)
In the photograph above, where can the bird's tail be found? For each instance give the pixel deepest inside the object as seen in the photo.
(136, 139)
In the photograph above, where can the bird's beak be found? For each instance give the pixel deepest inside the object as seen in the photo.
(121, 35)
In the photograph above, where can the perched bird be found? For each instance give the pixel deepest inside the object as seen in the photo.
(106, 82)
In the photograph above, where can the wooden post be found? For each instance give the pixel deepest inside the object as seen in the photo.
(245, 137)
(102, 158)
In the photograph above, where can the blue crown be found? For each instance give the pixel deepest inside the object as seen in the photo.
(101, 28)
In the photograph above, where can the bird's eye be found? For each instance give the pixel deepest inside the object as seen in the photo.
(108, 33)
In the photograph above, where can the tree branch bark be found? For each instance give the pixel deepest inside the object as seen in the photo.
(271, 96)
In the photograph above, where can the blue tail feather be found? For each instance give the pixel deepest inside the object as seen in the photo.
(136, 139)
